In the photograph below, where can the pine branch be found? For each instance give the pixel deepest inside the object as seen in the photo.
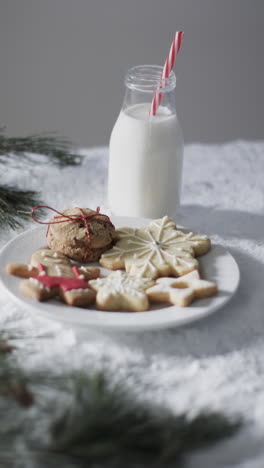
(103, 425)
(15, 206)
(79, 421)
(56, 149)
(14, 203)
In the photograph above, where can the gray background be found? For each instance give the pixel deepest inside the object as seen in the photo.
(63, 61)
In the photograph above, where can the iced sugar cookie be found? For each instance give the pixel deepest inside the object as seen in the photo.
(51, 274)
(120, 291)
(181, 291)
(156, 250)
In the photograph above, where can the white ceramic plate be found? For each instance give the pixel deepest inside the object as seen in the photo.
(218, 265)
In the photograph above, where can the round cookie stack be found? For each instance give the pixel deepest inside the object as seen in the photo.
(81, 234)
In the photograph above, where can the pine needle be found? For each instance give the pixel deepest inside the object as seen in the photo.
(56, 149)
(15, 206)
(14, 203)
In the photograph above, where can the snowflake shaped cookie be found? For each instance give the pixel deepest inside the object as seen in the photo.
(156, 250)
(120, 291)
(181, 291)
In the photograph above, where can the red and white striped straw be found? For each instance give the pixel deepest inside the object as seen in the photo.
(169, 64)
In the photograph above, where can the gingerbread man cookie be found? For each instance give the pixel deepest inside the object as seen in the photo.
(181, 291)
(51, 274)
(156, 250)
(120, 291)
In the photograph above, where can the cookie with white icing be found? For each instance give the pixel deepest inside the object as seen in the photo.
(120, 291)
(181, 291)
(156, 250)
(51, 274)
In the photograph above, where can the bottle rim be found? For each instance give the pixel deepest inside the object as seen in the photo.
(147, 79)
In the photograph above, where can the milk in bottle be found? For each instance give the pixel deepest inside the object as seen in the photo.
(146, 151)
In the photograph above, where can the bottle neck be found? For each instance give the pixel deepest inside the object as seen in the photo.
(133, 99)
(142, 82)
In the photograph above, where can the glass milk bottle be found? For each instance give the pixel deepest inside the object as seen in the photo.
(146, 151)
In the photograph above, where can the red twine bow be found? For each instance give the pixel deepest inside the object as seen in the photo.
(81, 217)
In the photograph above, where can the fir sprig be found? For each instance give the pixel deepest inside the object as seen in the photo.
(80, 420)
(15, 205)
(105, 425)
(56, 149)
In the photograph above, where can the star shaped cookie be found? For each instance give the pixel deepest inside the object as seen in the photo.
(120, 291)
(156, 250)
(181, 291)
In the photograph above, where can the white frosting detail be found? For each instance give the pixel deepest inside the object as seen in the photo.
(120, 283)
(150, 248)
(59, 270)
(40, 285)
(53, 260)
(78, 290)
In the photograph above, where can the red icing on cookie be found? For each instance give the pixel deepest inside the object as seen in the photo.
(63, 282)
